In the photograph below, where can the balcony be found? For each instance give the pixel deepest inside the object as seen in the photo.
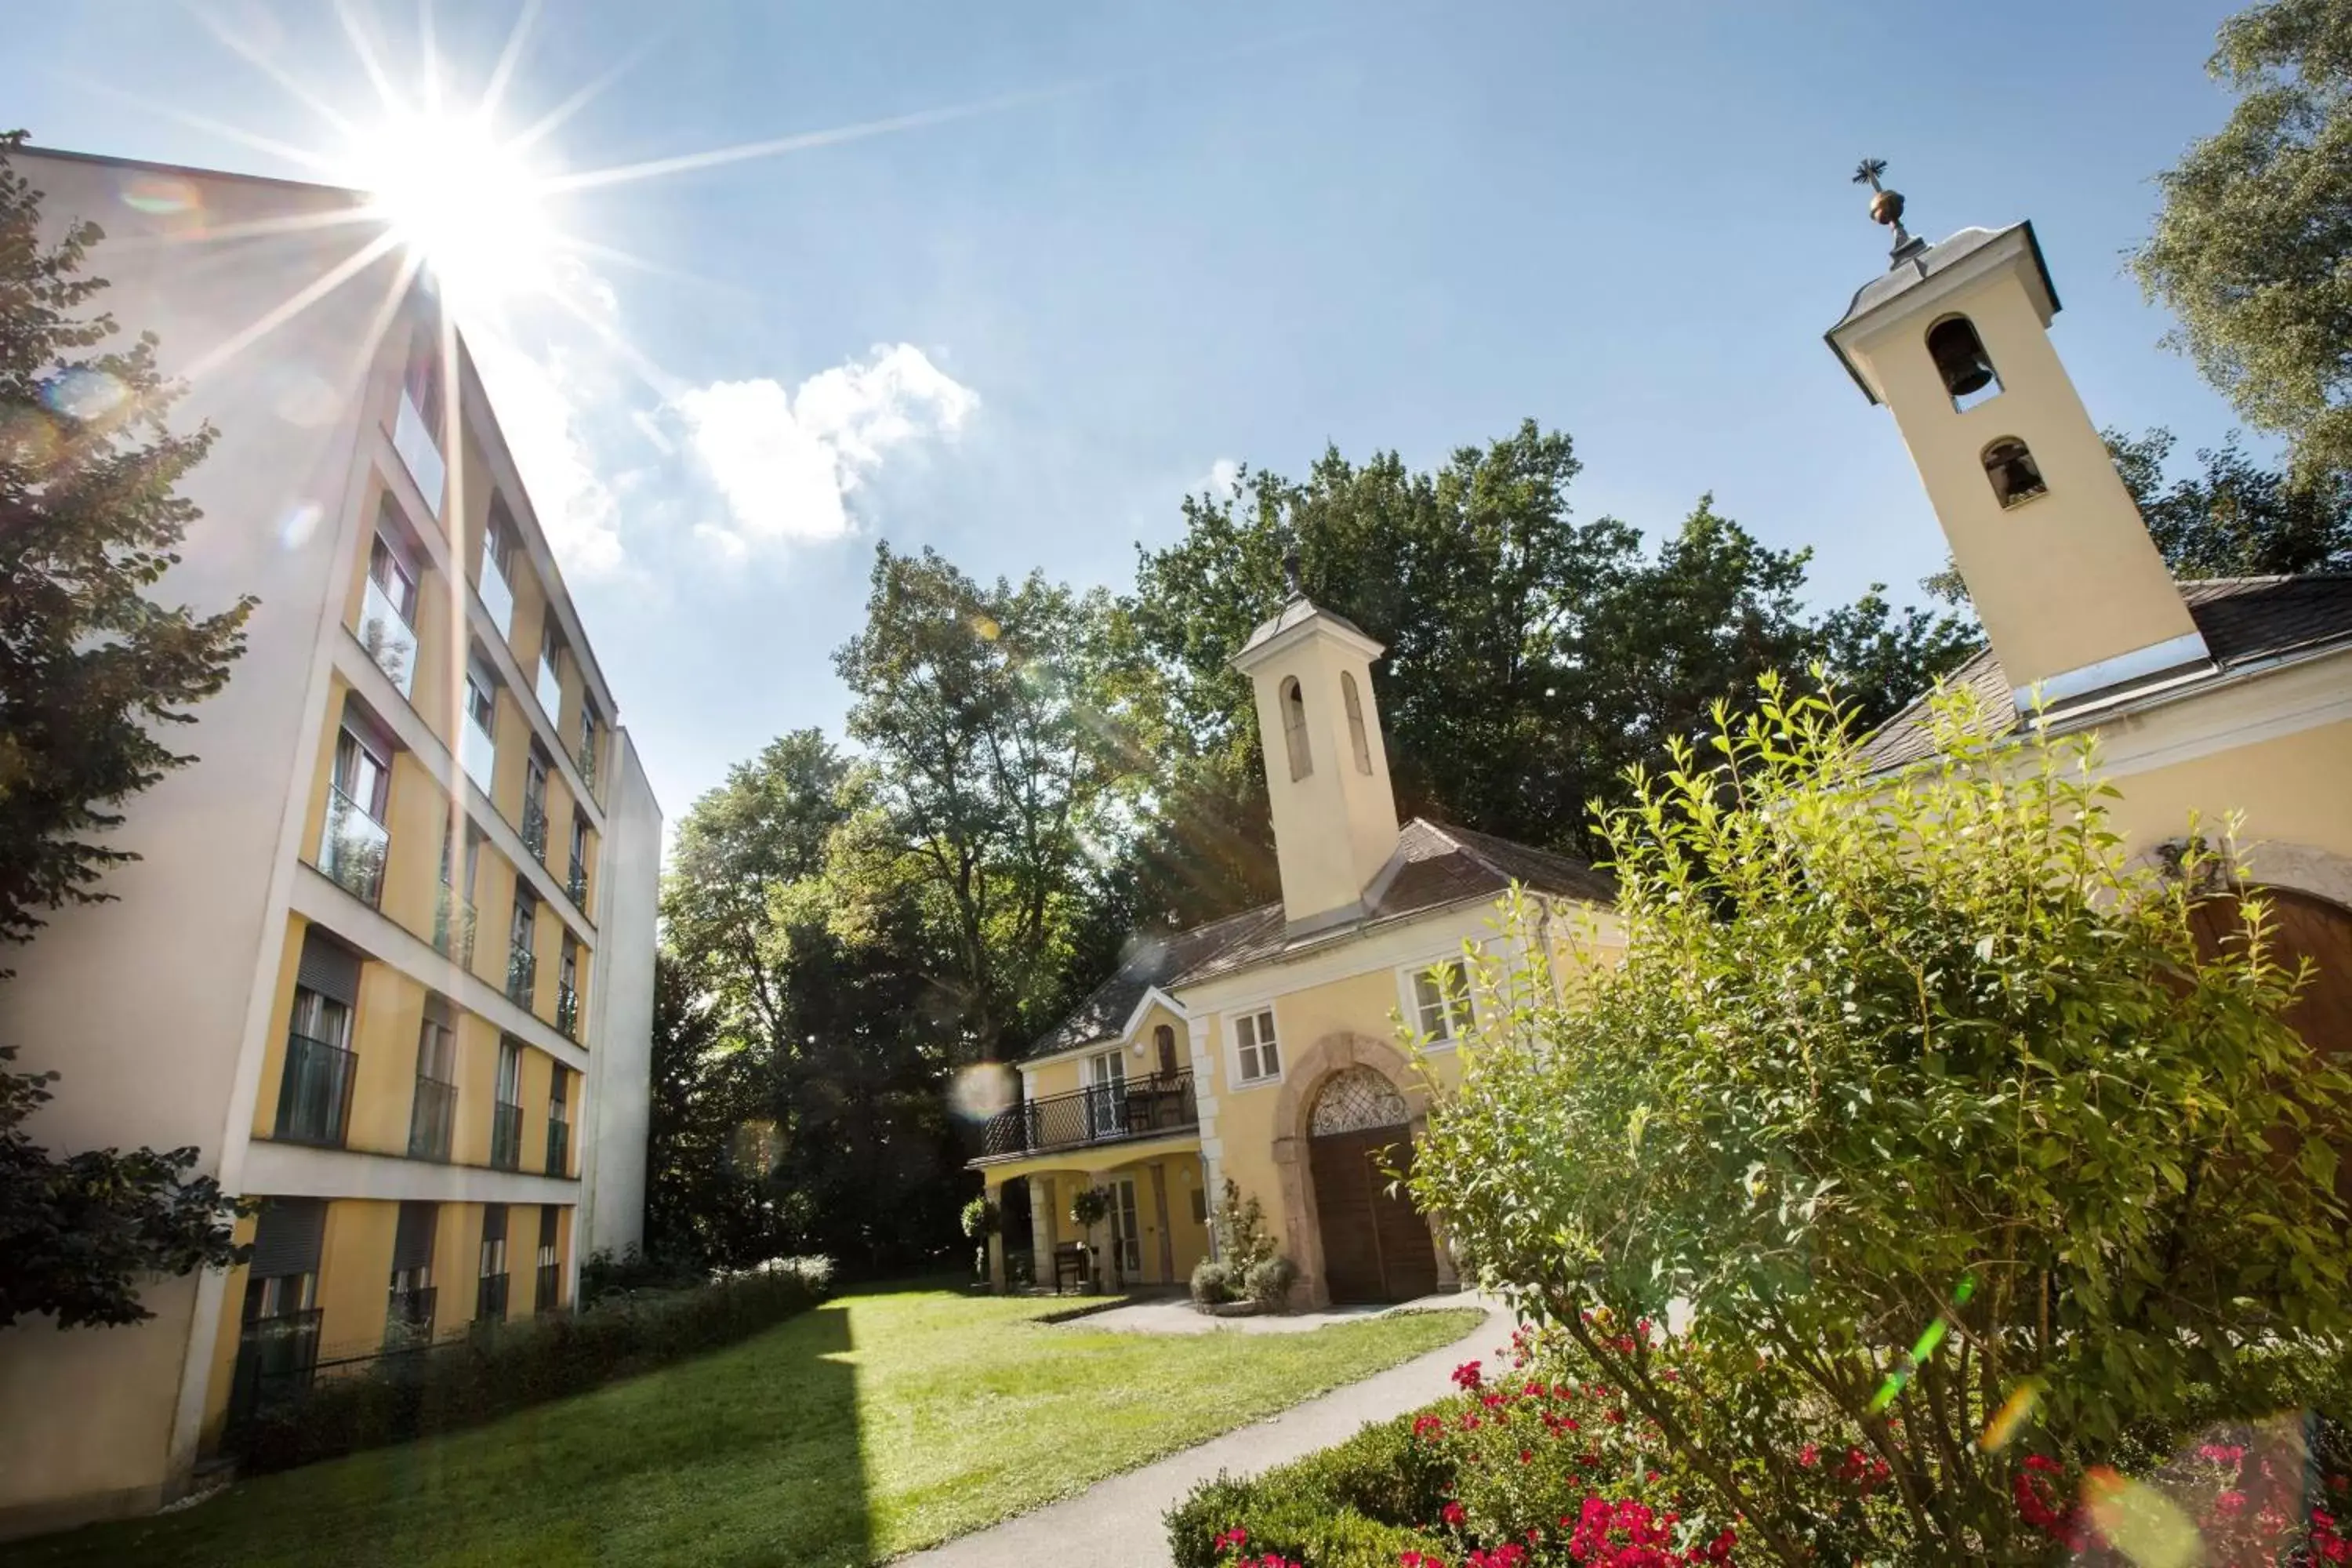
(567, 1010)
(505, 1137)
(522, 975)
(551, 1286)
(453, 929)
(389, 640)
(575, 886)
(586, 757)
(431, 1122)
(497, 596)
(477, 751)
(549, 686)
(352, 847)
(408, 1320)
(534, 828)
(559, 1148)
(1110, 1114)
(314, 1098)
(420, 453)
(490, 1301)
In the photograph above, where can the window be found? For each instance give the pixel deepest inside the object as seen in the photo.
(523, 953)
(1355, 738)
(1255, 1043)
(559, 1121)
(314, 1095)
(1961, 360)
(567, 989)
(587, 755)
(576, 883)
(551, 1282)
(354, 843)
(423, 380)
(408, 1314)
(495, 586)
(416, 423)
(534, 805)
(1163, 1041)
(362, 776)
(2016, 477)
(278, 1343)
(477, 743)
(551, 680)
(1440, 1000)
(1294, 729)
(1107, 1093)
(1200, 1207)
(506, 1112)
(434, 1113)
(388, 612)
(490, 1287)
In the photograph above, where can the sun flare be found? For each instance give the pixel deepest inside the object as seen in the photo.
(465, 202)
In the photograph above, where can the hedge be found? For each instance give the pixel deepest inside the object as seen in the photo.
(1339, 1509)
(464, 1383)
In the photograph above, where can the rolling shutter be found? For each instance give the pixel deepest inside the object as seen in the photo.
(329, 968)
(438, 1011)
(287, 1239)
(412, 1243)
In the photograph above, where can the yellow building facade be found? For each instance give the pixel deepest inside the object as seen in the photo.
(385, 956)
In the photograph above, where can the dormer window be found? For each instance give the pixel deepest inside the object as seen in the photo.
(2016, 477)
(1294, 729)
(1355, 706)
(1961, 360)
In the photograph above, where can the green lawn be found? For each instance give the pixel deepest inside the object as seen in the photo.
(879, 1423)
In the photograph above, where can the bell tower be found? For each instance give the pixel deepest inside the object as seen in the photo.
(1954, 338)
(1327, 771)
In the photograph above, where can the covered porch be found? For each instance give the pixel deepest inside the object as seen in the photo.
(1156, 1231)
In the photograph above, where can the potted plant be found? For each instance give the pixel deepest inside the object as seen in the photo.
(1090, 1206)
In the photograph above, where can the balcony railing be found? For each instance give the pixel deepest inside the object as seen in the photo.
(567, 1010)
(549, 686)
(505, 1137)
(477, 751)
(490, 1300)
(559, 1148)
(586, 757)
(522, 975)
(575, 887)
(534, 828)
(408, 1321)
(431, 1122)
(550, 1286)
(388, 640)
(497, 596)
(453, 929)
(420, 452)
(314, 1098)
(352, 847)
(1139, 1108)
(275, 1360)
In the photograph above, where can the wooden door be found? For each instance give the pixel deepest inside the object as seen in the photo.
(1376, 1245)
(2301, 927)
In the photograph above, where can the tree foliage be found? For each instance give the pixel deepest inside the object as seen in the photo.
(1917, 1098)
(2249, 249)
(91, 670)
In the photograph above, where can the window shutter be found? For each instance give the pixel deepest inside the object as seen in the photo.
(288, 1238)
(411, 1242)
(329, 968)
(438, 1011)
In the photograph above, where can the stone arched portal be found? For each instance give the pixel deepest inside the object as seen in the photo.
(1369, 1100)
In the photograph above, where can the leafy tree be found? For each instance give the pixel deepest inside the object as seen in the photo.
(91, 670)
(1531, 656)
(1911, 1102)
(699, 1210)
(2249, 250)
(1000, 720)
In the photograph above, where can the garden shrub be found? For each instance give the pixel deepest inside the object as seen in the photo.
(1269, 1281)
(605, 1273)
(1213, 1282)
(1241, 1237)
(464, 1382)
(1916, 1105)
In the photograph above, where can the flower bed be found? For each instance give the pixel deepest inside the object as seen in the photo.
(1527, 1470)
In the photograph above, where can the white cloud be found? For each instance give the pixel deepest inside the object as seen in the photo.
(1223, 477)
(536, 413)
(787, 462)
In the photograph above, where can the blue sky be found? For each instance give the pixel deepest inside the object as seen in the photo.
(1217, 233)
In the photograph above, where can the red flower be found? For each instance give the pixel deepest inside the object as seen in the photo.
(1450, 1513)
(1467, 1375)
(1810, 1455)
(1236, 1536)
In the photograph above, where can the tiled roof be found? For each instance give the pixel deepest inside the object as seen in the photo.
(1433, 867)
(2245, 621)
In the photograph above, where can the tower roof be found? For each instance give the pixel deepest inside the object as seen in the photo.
(1297, 612)
(1925, 266)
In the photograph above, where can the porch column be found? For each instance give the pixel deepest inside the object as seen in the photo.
(1159, 1211)
(995, 1195)
(1041, 1228)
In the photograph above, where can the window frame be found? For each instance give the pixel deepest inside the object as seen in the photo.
(1253, 1014)
(1459, 1013)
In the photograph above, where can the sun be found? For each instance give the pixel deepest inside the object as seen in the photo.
(466, 203)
